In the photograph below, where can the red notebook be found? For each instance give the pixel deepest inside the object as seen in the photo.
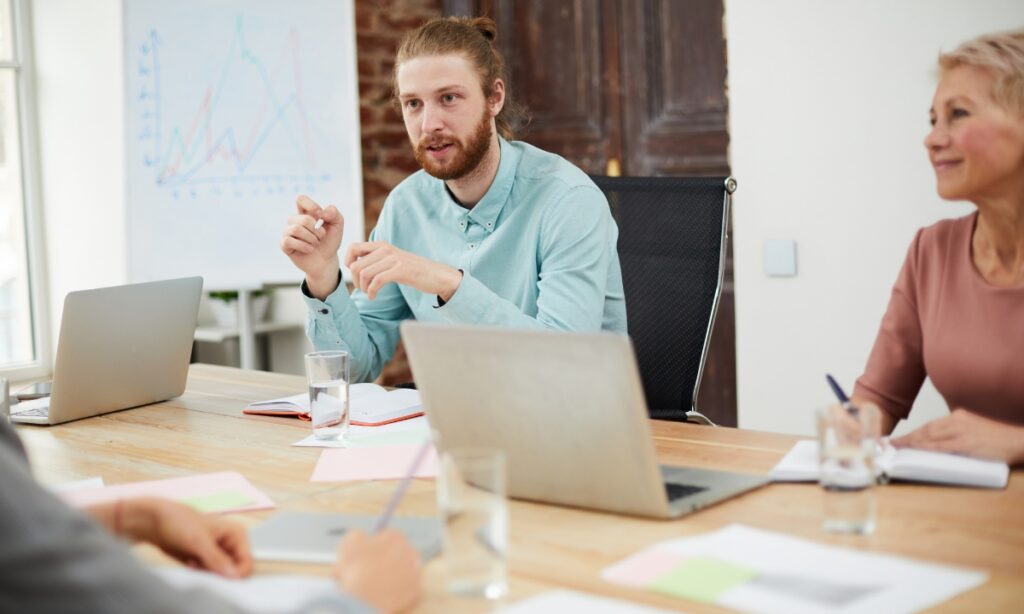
(369, 405)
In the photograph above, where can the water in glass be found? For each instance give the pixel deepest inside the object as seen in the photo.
(477, 532)
(847, 476)
(328, 403)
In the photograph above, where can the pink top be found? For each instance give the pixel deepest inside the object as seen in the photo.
(946, 322)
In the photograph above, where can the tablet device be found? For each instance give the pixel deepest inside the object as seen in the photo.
(311, 537)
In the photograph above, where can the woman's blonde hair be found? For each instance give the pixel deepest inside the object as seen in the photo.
(1003, 54)
(475, 39)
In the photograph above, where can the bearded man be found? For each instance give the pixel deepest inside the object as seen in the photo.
(491, 232)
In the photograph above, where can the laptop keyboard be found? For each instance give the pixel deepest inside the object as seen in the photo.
(37, 411)
(678, 491)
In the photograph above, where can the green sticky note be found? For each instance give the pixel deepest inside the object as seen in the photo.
(219, 502)
(400, 438)
(702, 579)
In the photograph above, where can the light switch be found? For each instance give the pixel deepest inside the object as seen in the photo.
(780, 258)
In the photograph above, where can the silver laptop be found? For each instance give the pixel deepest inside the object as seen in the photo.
(568, 409)
(119, 347)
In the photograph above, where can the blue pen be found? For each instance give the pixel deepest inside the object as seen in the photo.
(843, 399)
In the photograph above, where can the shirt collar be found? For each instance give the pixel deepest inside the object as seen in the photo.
(487, 211)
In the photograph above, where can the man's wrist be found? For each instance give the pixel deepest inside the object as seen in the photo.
(322, 286)
(451, 285)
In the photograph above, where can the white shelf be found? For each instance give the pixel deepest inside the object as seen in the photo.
(217, 334)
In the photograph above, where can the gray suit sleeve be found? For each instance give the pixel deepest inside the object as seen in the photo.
(56, 559)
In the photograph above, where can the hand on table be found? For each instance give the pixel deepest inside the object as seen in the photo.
(383, 570)
(204, 542)
(376, 263)
(963, 432)
(315, 250)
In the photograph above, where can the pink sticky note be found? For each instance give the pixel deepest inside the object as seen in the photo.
(382, 463)
(226, 486)
(643, 568)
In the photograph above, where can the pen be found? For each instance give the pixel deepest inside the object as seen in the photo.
(389, 511)
(843, 399)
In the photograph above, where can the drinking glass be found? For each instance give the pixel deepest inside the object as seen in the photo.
(847, 440)
(471, 497)
(327, 374)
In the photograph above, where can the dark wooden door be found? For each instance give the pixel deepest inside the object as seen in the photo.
(630, 86)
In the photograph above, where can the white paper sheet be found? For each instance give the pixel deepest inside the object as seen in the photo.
(413, 430)
(93, 482)
(563, 601)
(260, 594)
(799, 576)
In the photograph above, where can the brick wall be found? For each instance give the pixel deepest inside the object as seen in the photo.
(387, 155)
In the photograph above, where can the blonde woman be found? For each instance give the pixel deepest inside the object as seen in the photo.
(956, 313)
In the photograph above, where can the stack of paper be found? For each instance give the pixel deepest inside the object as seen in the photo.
(759, 571)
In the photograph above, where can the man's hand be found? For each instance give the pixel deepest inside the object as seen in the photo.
(377, 263)
(315, 250)
(963, 432)
(383, 570)
(204, 542)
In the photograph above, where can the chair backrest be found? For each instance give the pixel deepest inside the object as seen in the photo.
(672, 240)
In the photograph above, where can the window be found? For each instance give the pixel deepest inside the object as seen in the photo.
(23, 350)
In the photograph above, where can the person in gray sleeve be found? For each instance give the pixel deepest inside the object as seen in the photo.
(57, 559)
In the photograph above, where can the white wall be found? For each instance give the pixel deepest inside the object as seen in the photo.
(79, 80)
(828, 109)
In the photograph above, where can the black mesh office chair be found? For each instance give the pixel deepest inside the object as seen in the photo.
(672, 238)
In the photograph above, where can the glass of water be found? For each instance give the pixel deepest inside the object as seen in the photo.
(327, 374)
(471, 497)
(847, 440)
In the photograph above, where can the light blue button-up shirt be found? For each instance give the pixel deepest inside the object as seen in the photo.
(537, 251)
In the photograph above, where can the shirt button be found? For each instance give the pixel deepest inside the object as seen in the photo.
(472, 245)
(324, 311)
(489, 224)
(462, 224)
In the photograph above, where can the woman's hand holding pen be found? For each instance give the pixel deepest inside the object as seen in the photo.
(382, 569)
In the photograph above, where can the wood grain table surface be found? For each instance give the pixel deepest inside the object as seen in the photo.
(550, 547)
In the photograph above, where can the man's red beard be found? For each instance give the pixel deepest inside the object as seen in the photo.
(465, 158)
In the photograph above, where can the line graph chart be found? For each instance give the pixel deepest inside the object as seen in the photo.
(232, 109)
(209, 147)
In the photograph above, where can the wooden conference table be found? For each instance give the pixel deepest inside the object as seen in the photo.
(551, 547)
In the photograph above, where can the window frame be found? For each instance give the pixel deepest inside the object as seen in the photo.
(22, 63)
